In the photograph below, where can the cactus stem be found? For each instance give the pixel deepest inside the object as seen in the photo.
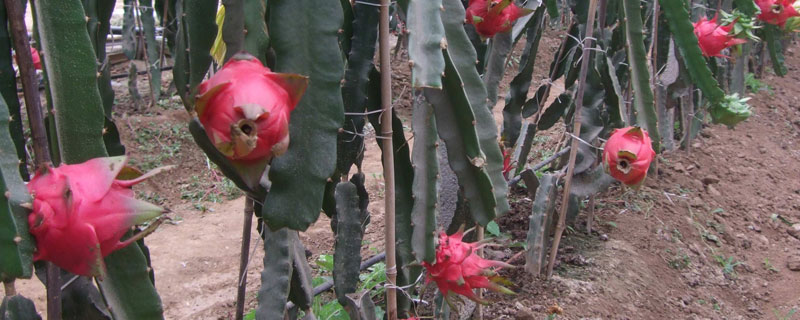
(26, 205)
(17, 239)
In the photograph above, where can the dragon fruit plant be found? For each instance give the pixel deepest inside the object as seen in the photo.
(81, 211)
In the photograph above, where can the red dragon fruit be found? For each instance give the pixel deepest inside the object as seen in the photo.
(713, 38)
(81, 211)
(627, 155)
(508, 165)
(776, 11)
(459, 269)
(493, 16)
(245, 109)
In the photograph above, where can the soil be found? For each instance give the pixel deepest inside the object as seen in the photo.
(705, 238)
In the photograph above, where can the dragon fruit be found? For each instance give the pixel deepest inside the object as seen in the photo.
(459, 269)
(245, 109)
(776, 11)
(627, 155)
(493, 16)
(713, 38)
(81, 211)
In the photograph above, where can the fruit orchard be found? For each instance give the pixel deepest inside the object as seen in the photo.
(284, 98)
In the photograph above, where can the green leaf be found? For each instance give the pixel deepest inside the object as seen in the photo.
(493, 229)
(426, 178)
(16, 244)
(276, 275)
(640, 73)
(306, 45)
(17, 307)
(425, 42)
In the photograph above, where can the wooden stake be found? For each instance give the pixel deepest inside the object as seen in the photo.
(588, 44)
(41, 148)
(244, 257)
(388, 161)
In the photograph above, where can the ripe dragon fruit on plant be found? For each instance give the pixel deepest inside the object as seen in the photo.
(81, 211)
(713, 37)
(627, 155)
(776, 11)
(459, 269)
(493, 16)
(245, 109)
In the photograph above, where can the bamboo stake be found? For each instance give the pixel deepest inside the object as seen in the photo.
(388, 162)
(244, 256)
(588, 44)
(41, 148)
(479, 307)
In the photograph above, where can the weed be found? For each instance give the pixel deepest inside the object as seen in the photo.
(768, 266)
(788, 315)
(728, 265)
(680, 262)
(756, 85)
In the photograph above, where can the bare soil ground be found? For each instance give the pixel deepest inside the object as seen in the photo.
(703, 239)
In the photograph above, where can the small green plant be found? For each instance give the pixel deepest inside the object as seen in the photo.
(755, 85)
(768, 265)
(728, 265)
(787, 316)
(680, 262)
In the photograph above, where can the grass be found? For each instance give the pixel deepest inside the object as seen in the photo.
(201, 190)
(728, 265)
(158, 143)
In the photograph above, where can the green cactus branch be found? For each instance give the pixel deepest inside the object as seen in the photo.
(640, 73)
(16, 244)
(8, 88)
(256, 39)
(425, 42)
(306, 45)
(233, 27)
(426, 176)
(197, 29)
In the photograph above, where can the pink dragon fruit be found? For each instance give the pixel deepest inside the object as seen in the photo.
(713, 38)
(81, 211)
(776, 11)
(245, 109)
(493, 16)
(459, 269)
(627, 155)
